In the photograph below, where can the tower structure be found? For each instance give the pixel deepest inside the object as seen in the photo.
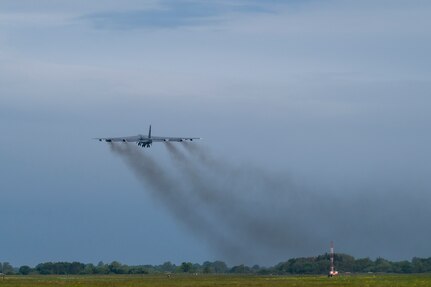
(332, 271)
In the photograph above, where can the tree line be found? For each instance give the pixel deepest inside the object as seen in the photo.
(305, 265)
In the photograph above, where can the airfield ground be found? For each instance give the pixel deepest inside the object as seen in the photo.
(216, 280)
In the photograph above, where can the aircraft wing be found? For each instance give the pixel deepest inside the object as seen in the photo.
(172, 139)
(140, 138)
(121, 139)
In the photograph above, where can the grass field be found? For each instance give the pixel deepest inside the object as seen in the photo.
(220, 280)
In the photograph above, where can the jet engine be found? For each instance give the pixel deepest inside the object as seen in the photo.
(144, 143)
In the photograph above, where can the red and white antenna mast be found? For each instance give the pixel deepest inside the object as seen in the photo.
(332, 271)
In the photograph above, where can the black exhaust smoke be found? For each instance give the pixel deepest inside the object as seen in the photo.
(252, 215)
(172, 194)
(251, 204)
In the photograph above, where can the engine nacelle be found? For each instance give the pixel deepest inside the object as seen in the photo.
(144, 143)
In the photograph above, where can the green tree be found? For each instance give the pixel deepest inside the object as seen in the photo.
(102, 268)
(89, 269)
(24, 270)
(344, 262)
(44, 268)
(186, 267)
(402, 267)
(363, 265)
(382, 265)
(167, 267)
(7, 268)
(207, 269)
(75, 268)
(220, 267)
(240, 269)
(117, 268)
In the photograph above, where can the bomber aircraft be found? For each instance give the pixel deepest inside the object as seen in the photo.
(146, 141)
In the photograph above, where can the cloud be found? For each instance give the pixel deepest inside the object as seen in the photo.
(27, 13)
(172, 14)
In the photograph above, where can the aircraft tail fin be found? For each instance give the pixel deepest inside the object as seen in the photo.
(149, 132)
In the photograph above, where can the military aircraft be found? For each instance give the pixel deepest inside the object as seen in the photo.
(146, 141)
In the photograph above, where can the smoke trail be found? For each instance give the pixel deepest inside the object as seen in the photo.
(277, 184)
(253, 223)
(204, 156)
(378, 219)
(167, 189)
(250, 213)
(198, 185)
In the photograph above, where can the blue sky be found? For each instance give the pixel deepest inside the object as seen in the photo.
(333, 93)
